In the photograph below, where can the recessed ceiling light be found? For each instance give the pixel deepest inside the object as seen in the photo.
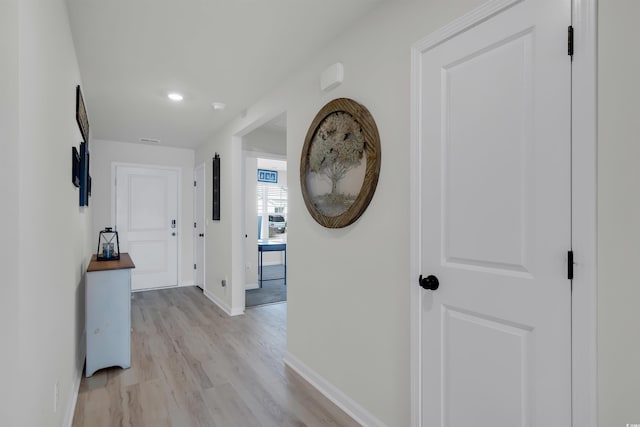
(218, 105)
(175, 96)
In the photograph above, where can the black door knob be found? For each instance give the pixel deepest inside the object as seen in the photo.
(201, 234)
(429, 282)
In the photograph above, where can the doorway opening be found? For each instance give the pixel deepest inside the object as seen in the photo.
(266, 214)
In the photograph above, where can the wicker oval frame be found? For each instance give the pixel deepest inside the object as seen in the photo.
(372, 152)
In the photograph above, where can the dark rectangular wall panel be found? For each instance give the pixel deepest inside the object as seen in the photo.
(216, 188)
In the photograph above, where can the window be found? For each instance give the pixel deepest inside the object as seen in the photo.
(271, 206)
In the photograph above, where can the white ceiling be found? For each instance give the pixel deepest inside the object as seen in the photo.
(133, 52)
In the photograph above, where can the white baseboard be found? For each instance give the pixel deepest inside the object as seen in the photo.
(331, 392)
(75, 382)
(185, 284)
(251, 286)
(237, 312)
(223, 305)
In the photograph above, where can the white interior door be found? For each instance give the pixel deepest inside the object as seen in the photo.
(198, 229)
(495, 337)
(147, 224)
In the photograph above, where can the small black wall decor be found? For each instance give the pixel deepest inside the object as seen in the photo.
(84, 174)
(75, 167)
(216, 187)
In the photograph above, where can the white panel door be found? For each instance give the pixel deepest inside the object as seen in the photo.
(147, 224)
(495, 217)
(198, 229)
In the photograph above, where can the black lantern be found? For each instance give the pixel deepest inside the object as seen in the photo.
(108, 245)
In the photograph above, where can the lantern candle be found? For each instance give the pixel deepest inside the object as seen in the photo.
(107, 248)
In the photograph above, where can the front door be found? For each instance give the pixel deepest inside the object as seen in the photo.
(147, 224)
(494, 126)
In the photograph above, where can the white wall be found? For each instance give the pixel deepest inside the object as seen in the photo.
(218, 241)
(53, 231)
(104, 153)
(264, 140)
(618, 214)
(9, 213)
(348, 289)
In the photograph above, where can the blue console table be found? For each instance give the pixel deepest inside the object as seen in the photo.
(108, 313)
(271, 247)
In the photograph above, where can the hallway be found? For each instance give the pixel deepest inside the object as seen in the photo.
(192, 365)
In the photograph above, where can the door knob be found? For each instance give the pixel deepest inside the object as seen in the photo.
(429, 282)
(201, 234)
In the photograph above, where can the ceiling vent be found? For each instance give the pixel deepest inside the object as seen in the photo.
(149, 141)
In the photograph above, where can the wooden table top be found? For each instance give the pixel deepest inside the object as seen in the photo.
(123, 263)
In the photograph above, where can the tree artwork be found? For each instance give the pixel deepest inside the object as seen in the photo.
(340, 163)
(337, 147)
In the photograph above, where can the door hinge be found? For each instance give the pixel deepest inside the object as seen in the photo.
(570, 41)
(194, 225)
(194, 183)
(570, 265)
(194, 266)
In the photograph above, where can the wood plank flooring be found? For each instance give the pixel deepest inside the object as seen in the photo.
(192, 365)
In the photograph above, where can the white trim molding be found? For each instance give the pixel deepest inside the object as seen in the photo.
(584, 202)
(223, 305)
(331, 392)
(202, 185)
(584, 214)
(468, 20)
(75, 381)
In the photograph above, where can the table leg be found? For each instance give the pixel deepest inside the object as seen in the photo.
(260, 281)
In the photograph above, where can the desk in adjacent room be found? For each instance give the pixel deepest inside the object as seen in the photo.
(108, 313)
(265, 246)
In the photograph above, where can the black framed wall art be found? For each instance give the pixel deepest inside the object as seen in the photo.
(216, 188)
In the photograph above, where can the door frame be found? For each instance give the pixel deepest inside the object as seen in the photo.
(238, 213)
(114, 169)
(202, 165)
(583, 214)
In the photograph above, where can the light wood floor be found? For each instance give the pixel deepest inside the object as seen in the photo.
(192, 365)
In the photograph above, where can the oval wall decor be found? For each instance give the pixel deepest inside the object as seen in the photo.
(340, 163)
